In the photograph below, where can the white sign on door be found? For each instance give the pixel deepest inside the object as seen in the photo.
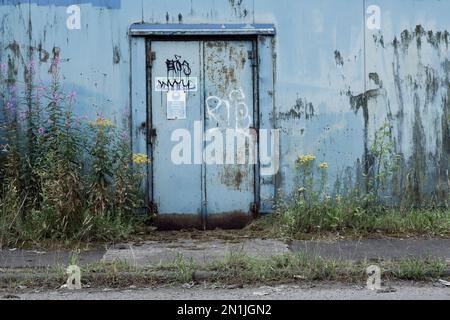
(176, 105)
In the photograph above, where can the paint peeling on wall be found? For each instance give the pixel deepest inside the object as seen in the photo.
(415, 106)
(239, 8)
(301, 109)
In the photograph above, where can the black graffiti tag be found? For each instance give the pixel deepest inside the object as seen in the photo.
(178, 68)
(176, 84)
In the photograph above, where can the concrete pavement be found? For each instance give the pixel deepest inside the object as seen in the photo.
(203, 252)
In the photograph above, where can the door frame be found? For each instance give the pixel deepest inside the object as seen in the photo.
(264, 75)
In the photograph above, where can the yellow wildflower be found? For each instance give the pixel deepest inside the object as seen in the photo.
(140, 159)
(306, 159)
(323, 166)
(104, 123)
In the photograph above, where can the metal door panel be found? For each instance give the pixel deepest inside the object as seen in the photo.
(229, 104)
(177, 189)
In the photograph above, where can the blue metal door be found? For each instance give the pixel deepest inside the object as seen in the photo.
(203, 146)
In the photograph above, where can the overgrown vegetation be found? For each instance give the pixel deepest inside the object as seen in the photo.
(239, 268)
(62, 177)
(365, 209)
(301, 267)
(235, 269)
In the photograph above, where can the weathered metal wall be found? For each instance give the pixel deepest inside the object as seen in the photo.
(335, 81)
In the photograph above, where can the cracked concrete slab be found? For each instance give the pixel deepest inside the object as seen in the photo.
(153, 253)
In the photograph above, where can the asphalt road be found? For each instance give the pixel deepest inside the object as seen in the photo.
(401, 291)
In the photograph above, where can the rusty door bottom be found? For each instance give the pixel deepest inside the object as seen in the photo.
(225, 221)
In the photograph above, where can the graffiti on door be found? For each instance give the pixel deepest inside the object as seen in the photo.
(228, 111)
(232, 141)
(178, 77)
(178, 68)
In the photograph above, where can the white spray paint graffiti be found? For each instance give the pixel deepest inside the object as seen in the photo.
(234, 120)
(234, 105)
